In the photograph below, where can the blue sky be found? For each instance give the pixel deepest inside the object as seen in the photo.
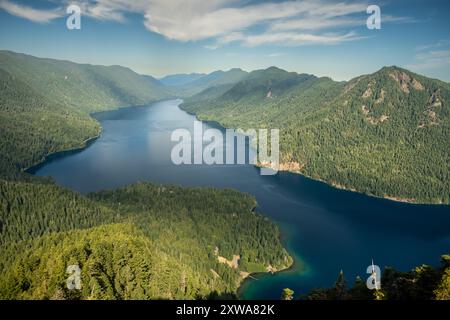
(159, 37)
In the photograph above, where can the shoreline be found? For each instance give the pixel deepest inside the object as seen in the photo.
(253, 276)
(333, 184)
(385, 197)
(243, 281)
(89, 141)
(55, 155)
(84, 144)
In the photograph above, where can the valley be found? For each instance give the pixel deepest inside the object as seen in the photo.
(377, 134)
(102, 193)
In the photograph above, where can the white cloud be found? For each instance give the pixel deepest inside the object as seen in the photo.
(315, 24)
(226, 21)
(439, 44)
(331, 22)
(40, 16)
(276, 54)
(295, 39)
(208, 19)
(430, 64)
(211, 46)
(432, 56)
(101, 11)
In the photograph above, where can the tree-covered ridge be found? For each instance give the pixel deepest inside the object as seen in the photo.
(30, 209)
(384, 134)
(82, 86)
(141, 242)
(45, 105)
(32, 126)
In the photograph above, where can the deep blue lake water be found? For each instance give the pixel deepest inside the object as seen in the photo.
(325, 229)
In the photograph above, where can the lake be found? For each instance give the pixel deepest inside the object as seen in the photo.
(325, 229)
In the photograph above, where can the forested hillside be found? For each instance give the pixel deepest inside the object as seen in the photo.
(82, 86)
(142, 242)
(384, 134)
(45, 104)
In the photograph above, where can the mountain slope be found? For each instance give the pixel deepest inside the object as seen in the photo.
(45, 104)
(140, 242)
(384, 134)
(264, 98)
(85, 87)
(33, 126)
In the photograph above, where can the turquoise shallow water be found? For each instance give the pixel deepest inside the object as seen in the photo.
(325, 229)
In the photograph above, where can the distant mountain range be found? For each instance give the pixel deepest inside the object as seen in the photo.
(385, 134)
(181, 79)
(185, 85)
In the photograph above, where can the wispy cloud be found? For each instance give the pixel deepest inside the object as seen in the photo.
(439, 44)
(102, 10)
(291, 38)
(276, 54)
(432, 56)
(29, 13)
(284, 22)
(330, 22)
(211, 46)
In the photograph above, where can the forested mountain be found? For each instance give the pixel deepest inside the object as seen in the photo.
(86, 87)
(32, 125)
(45, 104)
(141, 242)
(384, 134)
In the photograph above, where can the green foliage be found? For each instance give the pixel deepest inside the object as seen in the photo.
(287, 294)
(421, 283)
(45, 105)
(384, 134)
(140, 242)
(82, 86)
(339, 291)
(442, 292)
(359, 291)
(31, 209)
